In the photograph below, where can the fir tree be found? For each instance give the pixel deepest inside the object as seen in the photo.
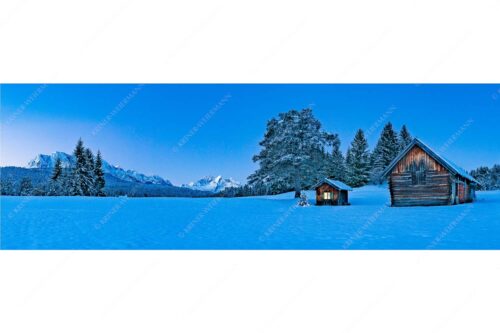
(81, 182)
(78, 181)
(66, 181)
(55, 186)
(56, 173)
(25, 187)
(291, 157)
(7, 187)
(404, 138)
(262, 176)
(89, 173)
(335, 168)
(358, 161)
(495, 177)
(99, 176)
(488, 178)
(483, 176)
(385, 151)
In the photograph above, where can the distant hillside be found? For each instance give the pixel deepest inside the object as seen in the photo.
(115, 186)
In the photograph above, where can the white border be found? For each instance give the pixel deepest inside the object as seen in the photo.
(263, 41)
(250, 291)
(259, 41)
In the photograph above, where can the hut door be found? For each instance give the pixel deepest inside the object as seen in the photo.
(461, 193)
(327, 198)
(455, 194)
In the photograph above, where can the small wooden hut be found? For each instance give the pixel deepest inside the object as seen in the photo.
(419, 176)
(332, 192)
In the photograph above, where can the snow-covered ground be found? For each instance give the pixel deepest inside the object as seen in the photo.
(270, 222)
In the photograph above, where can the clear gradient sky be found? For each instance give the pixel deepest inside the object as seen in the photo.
(184, 132)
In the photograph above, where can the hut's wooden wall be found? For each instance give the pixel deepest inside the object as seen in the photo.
(326, 188)
(435, 190)
(415, 155)
(465, 191)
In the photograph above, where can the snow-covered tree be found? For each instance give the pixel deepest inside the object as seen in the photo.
(55, 185)
(90, 172)
(25, 187)
(7, 187)
(292, 153)
(358, 161)
(303, 202)
(99, 176)
(483, 176)
(489, 178)
(263, 177)
(385, 151)
(495, 177)
(81, 182)
(57, 172)
(405, 138)
(77, 178)
(335, 162)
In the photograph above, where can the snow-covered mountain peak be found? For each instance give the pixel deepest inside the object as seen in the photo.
(48, 161)
(213, 184)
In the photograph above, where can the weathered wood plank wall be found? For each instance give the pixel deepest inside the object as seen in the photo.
(326, 188)
(435, 190)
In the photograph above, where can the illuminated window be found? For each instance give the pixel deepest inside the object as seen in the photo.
(327, 195)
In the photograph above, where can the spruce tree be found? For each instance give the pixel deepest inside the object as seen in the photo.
(77, 179)
(358, 161)
(348, 164)
(495, 177)
(99, 176)
(7, 187)
(82, 175)
(55, 186)
(262, 179)
(385, 151)
(25, 187)
(56, 173)
(488, 178)
(292, 153)
(404, 138)
(335, 168)
(89, 172)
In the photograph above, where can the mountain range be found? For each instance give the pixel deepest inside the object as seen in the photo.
(118, 180)
(42, 161)
(214, 184)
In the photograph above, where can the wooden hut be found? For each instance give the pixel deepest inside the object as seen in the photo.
(332, 192)
(419, 176)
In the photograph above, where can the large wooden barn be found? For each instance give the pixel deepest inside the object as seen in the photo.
(332, 192)
(419, 176)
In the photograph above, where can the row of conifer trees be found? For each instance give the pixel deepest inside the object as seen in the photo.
(83, 176)
(296, 153)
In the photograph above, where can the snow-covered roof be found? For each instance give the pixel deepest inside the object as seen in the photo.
(335, 183)
(450, 166)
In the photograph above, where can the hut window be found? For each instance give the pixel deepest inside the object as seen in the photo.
(418, 175)
(327, 195)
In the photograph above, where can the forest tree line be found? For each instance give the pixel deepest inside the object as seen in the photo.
(84, 178)
(488, 178)
(296, 153)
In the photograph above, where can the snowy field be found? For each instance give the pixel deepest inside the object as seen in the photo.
(271, 222)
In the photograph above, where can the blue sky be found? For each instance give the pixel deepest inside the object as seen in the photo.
(184, 132)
